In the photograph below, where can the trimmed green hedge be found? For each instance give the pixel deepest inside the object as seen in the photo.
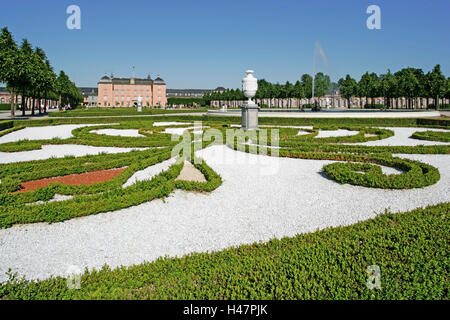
(432, 136)
(411, 250)
(417, 174)
(434, 122)
(100, 197)
(441, 106)
(185, 101)
(373, 106)
(6, 124)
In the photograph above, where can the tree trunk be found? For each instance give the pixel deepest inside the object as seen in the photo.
(13, 104)
(23, 104)
(32, 106)
(437, 102)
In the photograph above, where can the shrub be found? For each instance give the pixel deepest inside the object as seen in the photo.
(432, 136)
(374, 106)
(6, 124)
(417, 174)
(444, 106)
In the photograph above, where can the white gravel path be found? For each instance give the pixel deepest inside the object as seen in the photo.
(119, 132)
(335, 133)
(278, 197)
(56, 198)
(149, 172)
(59, 151)
(401, 137)
(178, 131)
(295, 127)
(44, 133)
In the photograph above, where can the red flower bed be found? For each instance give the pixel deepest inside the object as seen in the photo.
(73, 179)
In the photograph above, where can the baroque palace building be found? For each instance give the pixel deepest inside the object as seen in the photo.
(124, 92)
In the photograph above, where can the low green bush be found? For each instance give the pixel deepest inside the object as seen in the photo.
(445, 123)
(432, 136)
(445, 106)
(417, 174)
(6, 124)
(185, 101)
(374, 106)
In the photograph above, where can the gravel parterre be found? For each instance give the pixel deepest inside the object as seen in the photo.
(240, 211)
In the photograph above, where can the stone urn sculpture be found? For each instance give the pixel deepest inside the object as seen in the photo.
(139, 107)
(249, 109)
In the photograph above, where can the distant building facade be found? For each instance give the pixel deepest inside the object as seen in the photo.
(5, 95)
(90, 96)
(124, 92)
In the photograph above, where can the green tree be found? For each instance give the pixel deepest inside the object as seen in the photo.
(369, 86)
(321, 84)
(9, 71)
(388, 86)
(408, 84)
(288, 92)
(438, 84)
(26, 70)
(348, 88)
(298, 92)
(307, 85)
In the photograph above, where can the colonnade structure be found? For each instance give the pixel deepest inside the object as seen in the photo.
(333, 101)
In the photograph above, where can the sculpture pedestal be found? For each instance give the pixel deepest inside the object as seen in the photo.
(250, 116)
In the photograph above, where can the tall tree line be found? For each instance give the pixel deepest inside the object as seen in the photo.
(27, 72)
(274, 93)
(408, 83)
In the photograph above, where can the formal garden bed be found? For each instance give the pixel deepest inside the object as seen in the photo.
(432, 136)
(273, 269)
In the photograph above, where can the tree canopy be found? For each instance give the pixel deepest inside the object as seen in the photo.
(28, 72)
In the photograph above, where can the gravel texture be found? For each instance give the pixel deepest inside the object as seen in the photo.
(301, 133)
(149, 172)
(178, 131)
(59, 151)
(402, 136)
(56, 198)
(119, 132)
(335, 133)
(44, 133)
(261, 198)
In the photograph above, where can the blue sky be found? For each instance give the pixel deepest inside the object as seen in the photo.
(210, 43)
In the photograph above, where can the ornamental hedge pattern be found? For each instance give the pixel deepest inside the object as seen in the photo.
(290, 268)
